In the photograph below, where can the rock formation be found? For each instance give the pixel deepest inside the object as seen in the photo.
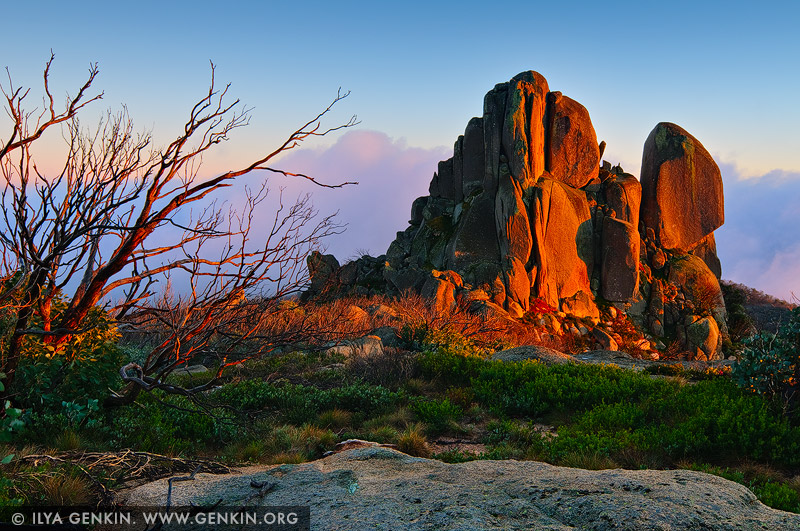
(525, 213)
(372, 487)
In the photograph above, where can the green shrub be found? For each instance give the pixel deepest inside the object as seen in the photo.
(10, 421)
(613, 412)
(439, 415)
(452, 368)
(778, 496)
(85, 368)
(169, 424)
(531, 388)
(299, 404)
(770, 363)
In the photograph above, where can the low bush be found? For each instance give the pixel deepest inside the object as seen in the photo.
(438, 415)
(612, 410)
(770, 363)
(413, 442)
(85, 368)
(298, 404)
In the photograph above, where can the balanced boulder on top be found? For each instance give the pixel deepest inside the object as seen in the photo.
(682, 198)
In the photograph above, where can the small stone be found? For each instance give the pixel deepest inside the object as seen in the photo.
(659, 259)
(606, 341)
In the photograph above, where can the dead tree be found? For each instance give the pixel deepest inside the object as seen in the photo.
(85, 233)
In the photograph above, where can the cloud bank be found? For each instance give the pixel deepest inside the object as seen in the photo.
(759, 244)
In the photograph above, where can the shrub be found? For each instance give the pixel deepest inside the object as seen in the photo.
(770, 363)
(439, 415)
(413, 442)
(390, 367)
(778, 496)
(9, 420)
(299, 404)
(169, 424)
(85, 368)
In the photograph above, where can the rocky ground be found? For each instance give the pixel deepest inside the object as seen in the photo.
(380, 488)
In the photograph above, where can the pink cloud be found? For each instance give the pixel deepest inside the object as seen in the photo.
(390, 176)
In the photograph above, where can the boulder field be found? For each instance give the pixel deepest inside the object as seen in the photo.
(370, 487)
(525, 215)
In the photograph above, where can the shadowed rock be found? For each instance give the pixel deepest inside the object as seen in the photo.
(619, 269)
(442, 184)
(703, 338)
(458, 170)
(475, 238)
(474, 165)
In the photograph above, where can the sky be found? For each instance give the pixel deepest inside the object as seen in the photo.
(725, 71)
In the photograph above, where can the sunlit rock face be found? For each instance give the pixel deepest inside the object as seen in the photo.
(682, 198)
(528, 216)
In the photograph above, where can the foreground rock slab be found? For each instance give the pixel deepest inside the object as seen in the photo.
(380, 488)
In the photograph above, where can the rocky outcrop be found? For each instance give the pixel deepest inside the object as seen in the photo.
(369, 487)
(525, 212)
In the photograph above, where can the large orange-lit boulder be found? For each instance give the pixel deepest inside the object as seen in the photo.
(441, 292)
(681, 188)
(563, 250)
(518, 285)
(573, 155)
(707, 251)
(511, 218)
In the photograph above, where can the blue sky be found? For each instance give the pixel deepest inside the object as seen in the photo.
(727, 72)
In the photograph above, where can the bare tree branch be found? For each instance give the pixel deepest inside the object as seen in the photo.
(84, 234)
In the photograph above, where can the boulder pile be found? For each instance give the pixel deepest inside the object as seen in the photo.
(526, 218)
